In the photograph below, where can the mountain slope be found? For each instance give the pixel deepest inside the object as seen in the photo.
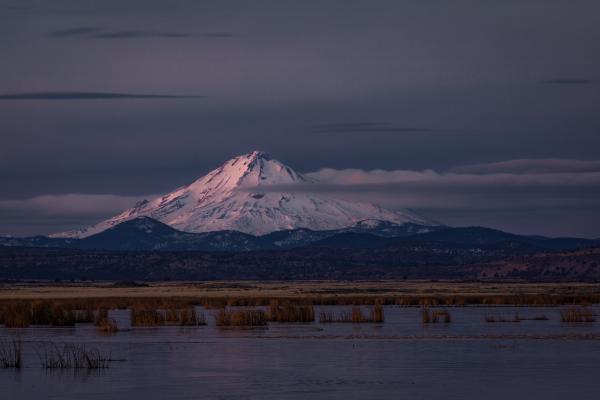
(242, 195)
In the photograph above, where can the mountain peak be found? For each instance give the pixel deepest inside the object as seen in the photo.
(230, 198)
(258, 154)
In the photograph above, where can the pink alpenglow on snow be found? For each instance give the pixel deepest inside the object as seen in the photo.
(230, 198)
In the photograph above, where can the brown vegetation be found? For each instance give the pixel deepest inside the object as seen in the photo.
(227, 317)
(217, 295)
(434, 316)
(289, 312)
(146, 317)
(17, 315)
(577, 314)
(107, 325)
(355, 315)
(185, 317)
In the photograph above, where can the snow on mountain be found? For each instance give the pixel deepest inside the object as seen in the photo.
(230, 198)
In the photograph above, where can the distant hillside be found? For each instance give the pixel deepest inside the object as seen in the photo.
(569, 265)
(409, 261)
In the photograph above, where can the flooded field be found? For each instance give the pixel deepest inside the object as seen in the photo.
(531, 354)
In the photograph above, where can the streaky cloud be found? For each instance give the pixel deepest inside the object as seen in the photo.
(95, 32)
(568, 81)
(364, 127)
(89, 96)
(136, 34)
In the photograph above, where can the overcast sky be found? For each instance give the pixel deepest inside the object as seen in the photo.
(470, 112)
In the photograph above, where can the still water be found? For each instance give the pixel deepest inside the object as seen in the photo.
(399, 359)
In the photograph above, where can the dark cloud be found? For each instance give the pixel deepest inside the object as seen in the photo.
(88, 96)
(137, 34)
(366, 127)
(569, 81)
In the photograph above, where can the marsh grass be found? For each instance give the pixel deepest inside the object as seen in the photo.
(10, 354)
(17, 315)
(434, 316)
(22, 313)
(577, 314)
(355, 315)
(107, 325)
(71, 356)
(146, 317)
(184, 317)
(227, 317)
(288, 312)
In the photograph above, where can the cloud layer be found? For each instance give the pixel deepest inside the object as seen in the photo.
(88, 96)
(512, 184)
(71, 204)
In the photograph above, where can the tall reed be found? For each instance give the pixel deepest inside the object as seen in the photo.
(227, 317)
(434, 316)
(17, 315)
(10, 354)
(579, 314)
(146, 317)
(103, 323)
(355, 315)
(71, 356)
(289, 312)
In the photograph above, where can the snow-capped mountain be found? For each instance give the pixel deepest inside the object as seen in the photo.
(230, 198)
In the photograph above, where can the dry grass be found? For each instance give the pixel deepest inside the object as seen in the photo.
(250, 293)
(71, 356)
(577, 314)
(10, 354)
(226, 317)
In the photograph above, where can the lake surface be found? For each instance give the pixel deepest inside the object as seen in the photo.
(401, 358)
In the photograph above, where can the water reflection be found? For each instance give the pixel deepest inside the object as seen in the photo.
(401, 358)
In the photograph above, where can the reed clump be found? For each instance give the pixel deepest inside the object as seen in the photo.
(10, 354)
(71, 356)
(17, 315)
(85, 316)
(62, 316)
(377, 314)
(227, 317)
(289, 312)
(577, 314)
(104, 324)
(107, 325)
(434, 316)
(146, 317)
(355, 315)
(184, 317)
